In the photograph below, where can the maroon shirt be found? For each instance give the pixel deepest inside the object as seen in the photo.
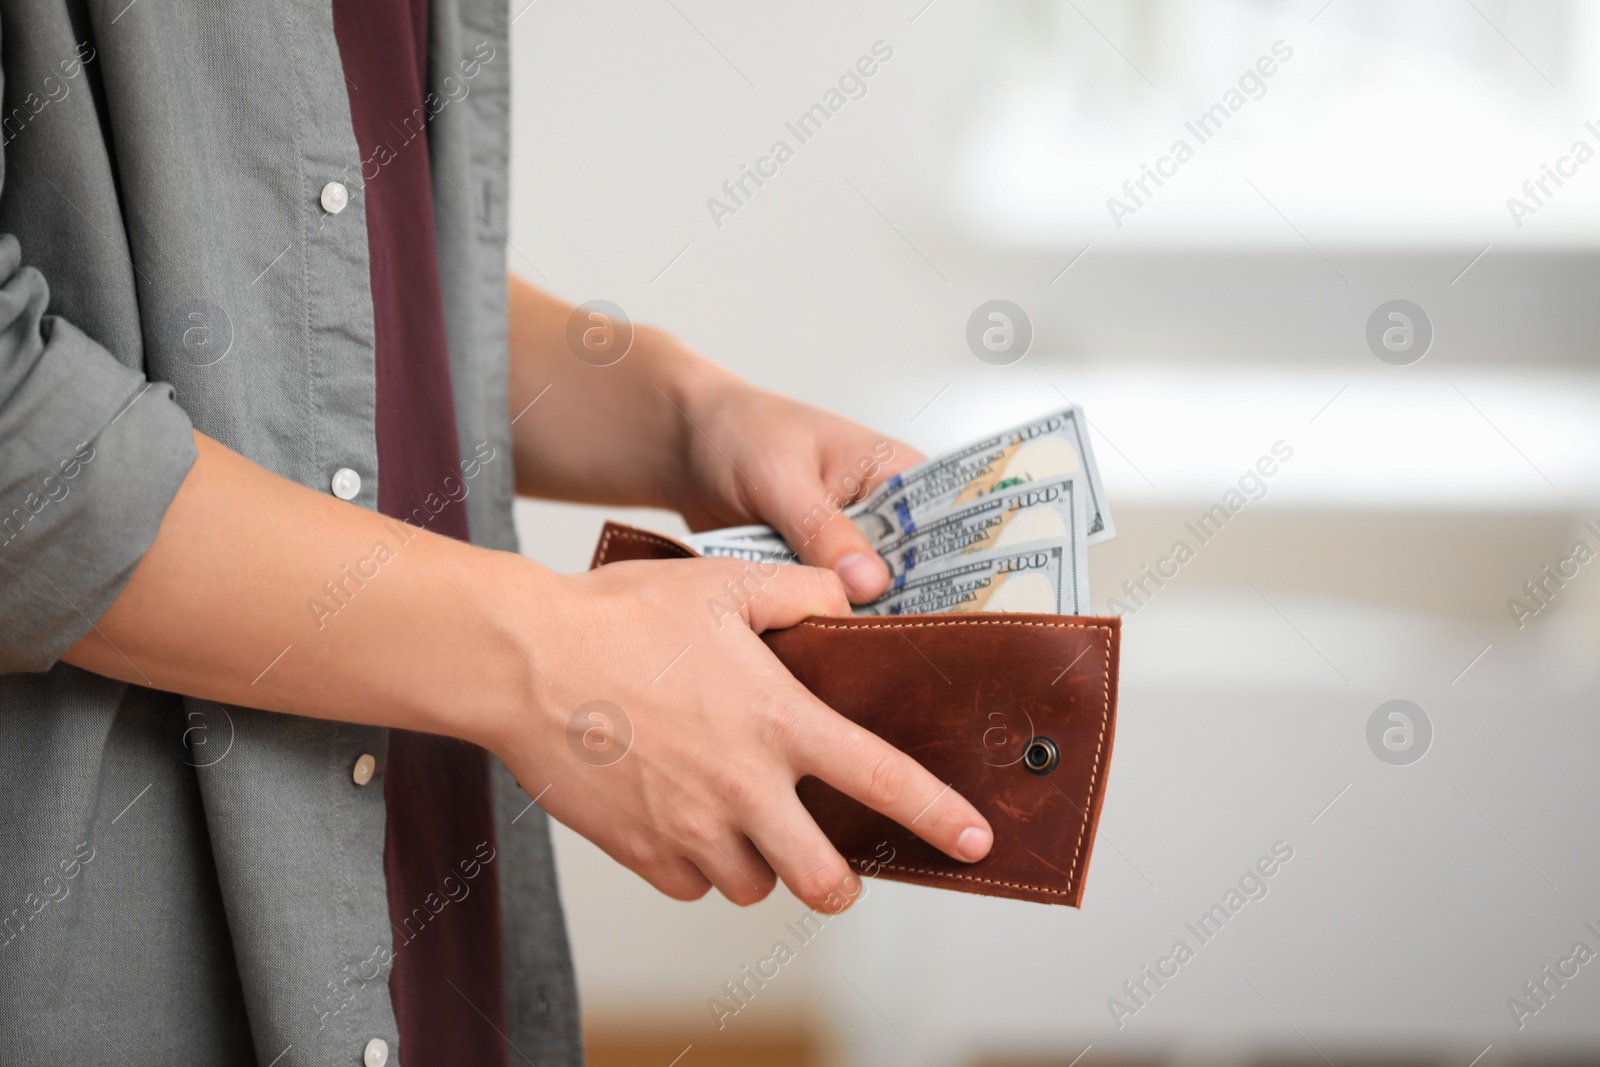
(447, 982)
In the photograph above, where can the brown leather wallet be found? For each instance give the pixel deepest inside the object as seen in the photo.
(1015, 712)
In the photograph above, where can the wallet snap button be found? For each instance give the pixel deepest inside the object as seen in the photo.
(1041, 756)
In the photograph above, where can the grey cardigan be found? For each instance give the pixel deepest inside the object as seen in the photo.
(182, 881)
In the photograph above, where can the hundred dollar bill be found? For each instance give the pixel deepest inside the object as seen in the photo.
(756, 532)
(1052, 512)
(772, 550)
(1047, 447)
(1032, 512)
(755, 543)
(1035, 578)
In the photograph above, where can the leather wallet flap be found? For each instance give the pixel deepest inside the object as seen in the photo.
(1015, 712)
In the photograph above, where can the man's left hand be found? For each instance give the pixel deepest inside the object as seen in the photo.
(752, 456)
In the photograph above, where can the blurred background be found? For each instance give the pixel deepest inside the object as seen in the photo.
(1204, 320)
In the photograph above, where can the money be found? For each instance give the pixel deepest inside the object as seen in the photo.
(750, 551)
(757, 532)
(1027, 513)
(1001, 524)
(757, 544)
(1035, 578)
(1047, 447)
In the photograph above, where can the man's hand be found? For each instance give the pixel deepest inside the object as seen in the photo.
(752, 456)
(695, 785)
(665, 427)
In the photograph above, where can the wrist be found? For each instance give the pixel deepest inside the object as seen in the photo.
(697, 389)
(505, 603)
(691, 381)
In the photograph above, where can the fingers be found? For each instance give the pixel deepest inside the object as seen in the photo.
(725, 857)
(804, 857)
(862, 765)
(781, 595)
(825, 536)
(733, 865)
(807, 499)
(838, 545)
(678, 879)
(900, 456)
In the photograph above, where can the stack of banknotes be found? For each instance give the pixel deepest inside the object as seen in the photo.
(1001, 524)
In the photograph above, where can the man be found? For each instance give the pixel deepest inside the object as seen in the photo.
(257, 391)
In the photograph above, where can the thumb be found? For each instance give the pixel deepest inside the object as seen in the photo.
(837, 544)
(788, 594)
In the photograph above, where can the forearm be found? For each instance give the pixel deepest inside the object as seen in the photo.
(263, 593)
(600, 434)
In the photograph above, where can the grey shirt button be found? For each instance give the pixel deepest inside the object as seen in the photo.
(376, 1054)
(346, 483)
(364, 768)
(334, 197)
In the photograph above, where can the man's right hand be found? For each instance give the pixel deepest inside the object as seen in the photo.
(492, 647)
(720, 732)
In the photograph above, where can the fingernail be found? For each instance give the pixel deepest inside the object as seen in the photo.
(973, 844)
(861, 574)
(842, 895)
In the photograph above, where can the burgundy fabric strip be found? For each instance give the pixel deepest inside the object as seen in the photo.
(447, 981)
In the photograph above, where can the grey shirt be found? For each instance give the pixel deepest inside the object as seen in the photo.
(182, 881)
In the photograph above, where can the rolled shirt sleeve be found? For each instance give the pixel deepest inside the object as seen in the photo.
(91, 455)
